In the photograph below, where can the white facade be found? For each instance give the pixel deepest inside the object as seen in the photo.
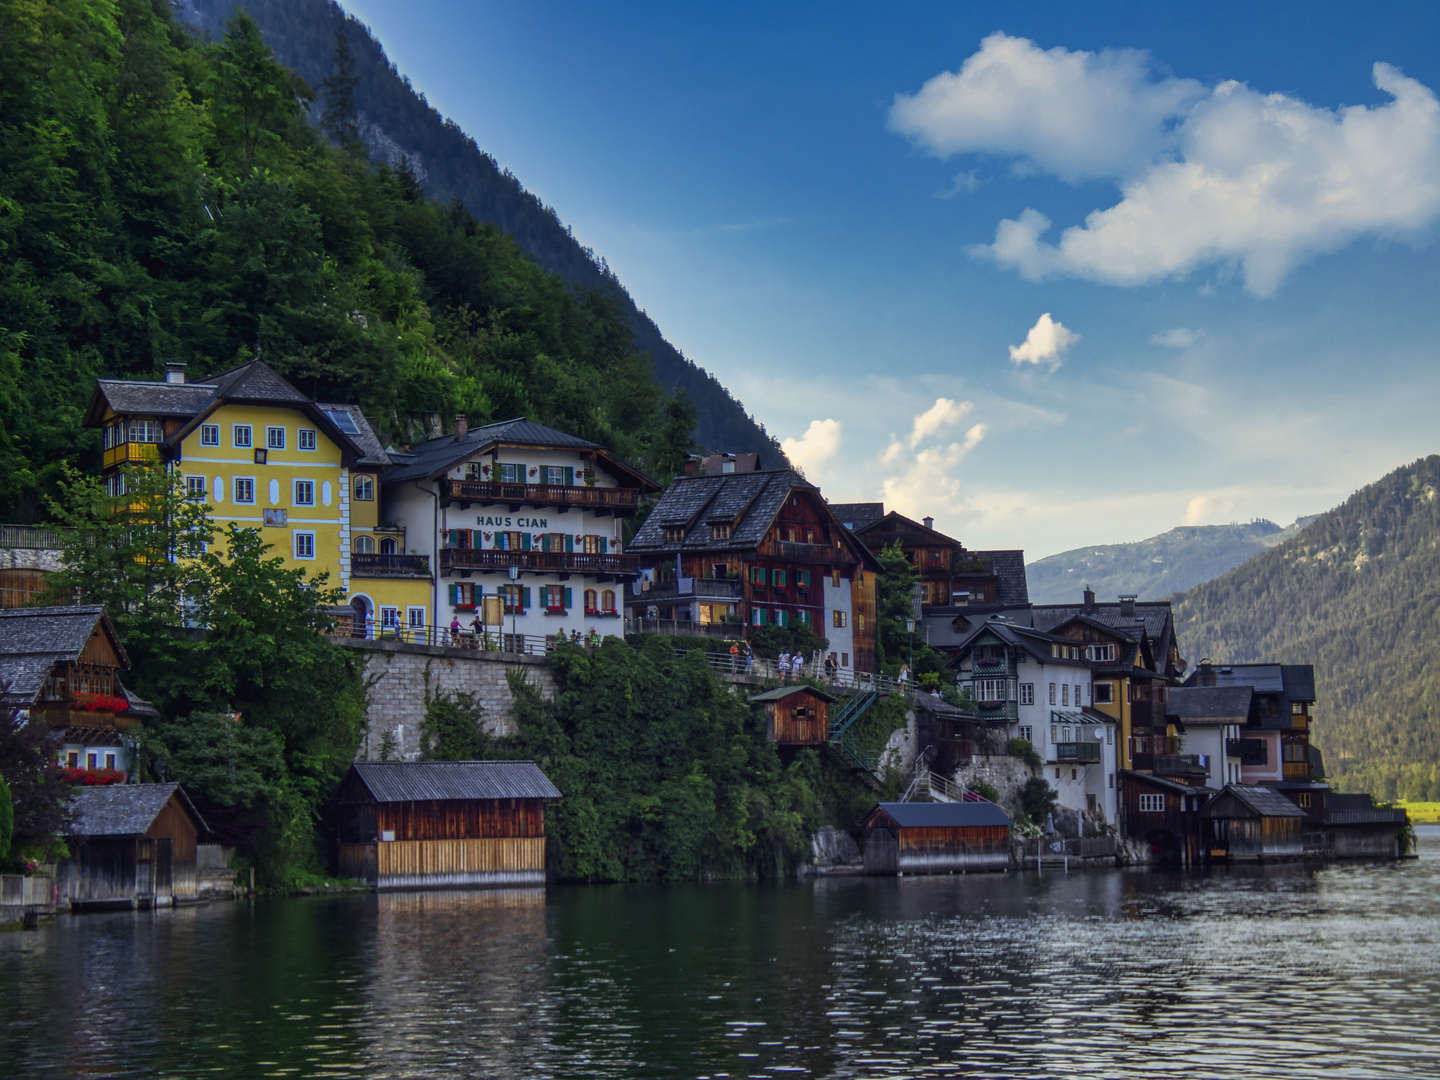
(839, 609)
(1213, 741)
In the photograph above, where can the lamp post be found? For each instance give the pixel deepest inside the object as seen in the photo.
(514, 603)
(910, 629)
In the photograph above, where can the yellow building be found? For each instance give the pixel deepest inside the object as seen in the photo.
(264, 456)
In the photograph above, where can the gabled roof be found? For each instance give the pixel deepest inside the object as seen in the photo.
(1210, 704)
(1009, 570)
(1151, 623)
(897, 524)
(435, 457)
(1035, 642)
(1260, 801)
(124, 809)
(33, 640)
(419, 781)
(364, 438)
(1163, 784)
(953, 815)
(782, 692)
(857, 516)
(127, 398)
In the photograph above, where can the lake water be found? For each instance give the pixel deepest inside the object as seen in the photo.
(1285, 971)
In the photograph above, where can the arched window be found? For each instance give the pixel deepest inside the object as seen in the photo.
(607, 600)
(589, 599)
(387, 546)
(364, 545)
(364, 488)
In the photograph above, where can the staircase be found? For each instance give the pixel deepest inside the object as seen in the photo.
(843, 737)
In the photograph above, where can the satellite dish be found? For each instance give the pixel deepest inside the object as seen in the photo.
(1099, 734)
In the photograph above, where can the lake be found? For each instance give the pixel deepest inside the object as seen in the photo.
(1279, 971)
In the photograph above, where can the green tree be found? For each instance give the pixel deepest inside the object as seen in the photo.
(340, 120)
(39, 796)
(7, 820)
(453, 726)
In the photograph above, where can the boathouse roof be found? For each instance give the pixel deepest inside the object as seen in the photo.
(124, 809)
(420, 781)
(952, 815)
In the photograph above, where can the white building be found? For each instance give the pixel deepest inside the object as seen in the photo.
(1039, 686)
(1211, 722)
(524, 516)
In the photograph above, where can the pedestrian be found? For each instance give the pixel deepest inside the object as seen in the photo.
(594, 637)
(784, 665)
(830, 666)
(369, 625)
(734, 658)
(454, 631)
(477, 628)
(749, 659)
(904, 679)
(575, 638)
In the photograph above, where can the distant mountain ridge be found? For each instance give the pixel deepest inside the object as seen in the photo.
(397, 123)
(1357, 593)
(1156, 568)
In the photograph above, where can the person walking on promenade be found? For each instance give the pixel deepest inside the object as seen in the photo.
(734, 658)
(749, 659)
(904, 679)
(830, 668)
(369, 625)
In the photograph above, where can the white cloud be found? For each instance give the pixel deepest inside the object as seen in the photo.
(1222, 176)
(1078, 115)
(963, 184)
(944, 412)
(1178, 338)
(818, 445)
(1204, 509)
(1046, 342)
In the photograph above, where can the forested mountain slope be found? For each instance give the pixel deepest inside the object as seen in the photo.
(164, 199)
(1155, 568)
(1357, 594)
(395, 121)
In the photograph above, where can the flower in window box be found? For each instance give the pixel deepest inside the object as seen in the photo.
(534, 470)
(100, 703)
(557, 611)
(464, 607)
(487, 535)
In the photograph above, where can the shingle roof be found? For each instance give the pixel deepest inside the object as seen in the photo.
(1163, 784)
(416, 781)
(1261, 800)
(944, 815)
(154, 398)
(1150, 615)
(34, 640)
(256, 381)
(1210, 704)
(1009, 570)
(1265, 678)
(123, 809)
(364, 438)
(1366, 816)
(781, 692)
(856, 516)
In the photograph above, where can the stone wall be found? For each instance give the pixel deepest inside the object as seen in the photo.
(397, 672)
(1006, 774)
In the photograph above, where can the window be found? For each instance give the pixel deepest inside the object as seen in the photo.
(1297, 708)
(1152, 804)
(304, 493)
(147, 431)
(590, 600)
(515, 597)
(757, 617)
(757, 575)
(275, 438)
(557, 475)
(1304, 800)
(244, 489)
(1025, 731)
(1052, 693)
(195, 487)
(508, 474)
(115, 485)
(364, 545)
(1064, 693)
(835, 578)
(209, 434)
(414, 616)
(240, 436)
(805, 618)
(1027, 697)
(388, 546)
(994, 690)
(1077, 694)
(1103, 693)
(304, 545)
(720, 532)
(364, 488)
(390, 617)
(782, 618)
(839, 618)
(607, 601)
(802, 578)
(595, 545)
(305, 438)
(462, 595)
(1102, 653)
(777, 578)
(110, 762)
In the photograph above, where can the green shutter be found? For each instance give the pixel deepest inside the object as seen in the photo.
(454, 595)
(479, 592)
(569, 543)
(567, 597)
(569, 476)
(450, 537)
(525, 541)
(524, 596)
(604, 545)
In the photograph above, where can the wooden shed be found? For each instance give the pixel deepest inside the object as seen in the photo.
(1253, 824)
(1163, 813)
(1359, 829)
(444, 824)
(936, 838)
(131, 845)
(796, 715)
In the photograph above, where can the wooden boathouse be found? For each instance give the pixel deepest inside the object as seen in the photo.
(1253, 824)
(796, 715)
(444, 824)
(131, 845)
(936, 838)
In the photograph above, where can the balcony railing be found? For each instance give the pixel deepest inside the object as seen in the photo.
(557, 562)
(491, 492)
(691, 589)
(1172, 764)
(1077, 751)
(1297, 770)
(1251, 752)
(811, 553)
(686, 628)
(997, 710)
(28, 536)
(130, 453)
(389, 566)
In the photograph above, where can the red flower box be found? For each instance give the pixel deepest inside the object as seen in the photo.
(98, 703)
(92, 777)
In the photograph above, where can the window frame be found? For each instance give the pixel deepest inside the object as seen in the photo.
(363, 545)
(235, 482)
(390, 618)
(147, 428)
(297, 487)
(362, 487)
(1151, 803)
(242, 436)
(1109, 692)
(411, 622)
(839, 619)
(1027, 694)
(306, 435)
(209, 434)
(295, 542)
(274, 437)
(196, 491)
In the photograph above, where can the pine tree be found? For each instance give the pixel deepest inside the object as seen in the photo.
(340, 120)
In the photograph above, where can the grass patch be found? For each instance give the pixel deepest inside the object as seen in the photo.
(1421, 813)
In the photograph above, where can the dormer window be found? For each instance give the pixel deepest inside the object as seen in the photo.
(1103, 654)
(720, 532)
(674, 534)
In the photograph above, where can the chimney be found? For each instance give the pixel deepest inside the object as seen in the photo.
(1089, 604)
(174, 372)
(929, 522)
(1127, 604)
(1205, 674)
(462, 425)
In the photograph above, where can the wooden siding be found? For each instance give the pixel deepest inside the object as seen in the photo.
(947, 850)
(440, 863)
(1365, 841)
(469, 819)
(798, 720)
(1256, 839)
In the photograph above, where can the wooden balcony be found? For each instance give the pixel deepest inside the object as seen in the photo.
(806, 553)
(490, 560)
(130, 453)
(724, 589)
(1297, 770)
(390, 566)
(494, 493)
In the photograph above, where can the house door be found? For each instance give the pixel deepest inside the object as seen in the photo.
(357, 621)
(164, 871)
(144, 873)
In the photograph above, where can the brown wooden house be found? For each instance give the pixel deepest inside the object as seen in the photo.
(796, 715)
(1252, 824)
(1358, 829)
(444, 824)
(131, 845)
(936, 838)
(1163, 813)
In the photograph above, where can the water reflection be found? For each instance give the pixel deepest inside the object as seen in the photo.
(1251, 972)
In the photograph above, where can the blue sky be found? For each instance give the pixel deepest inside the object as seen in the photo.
(840, 210)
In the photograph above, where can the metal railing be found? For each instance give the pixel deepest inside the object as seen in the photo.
(1075, 847)
(1077, 751)
(489, 640)
(561, 562)
(29, 536)
(731, 588)
(488, 491)
(380, 565)
(685, 628)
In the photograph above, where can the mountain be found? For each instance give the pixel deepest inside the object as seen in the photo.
(396, 124)
(1357, 593)
(1156, 568)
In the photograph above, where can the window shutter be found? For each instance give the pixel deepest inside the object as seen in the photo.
(604, 545)
(450, 537)
(569, 476)
(524, 596)
(569, 543)
(454, 595)
(567, 597)
(479, 592)
(525, 541)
